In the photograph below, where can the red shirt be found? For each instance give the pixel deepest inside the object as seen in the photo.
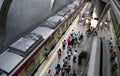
(111, 50)
(68, 40)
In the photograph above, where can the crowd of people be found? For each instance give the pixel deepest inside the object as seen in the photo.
(71, 42)
(112, 56)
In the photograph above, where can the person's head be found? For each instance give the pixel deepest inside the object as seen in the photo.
(49, 71)
(73, 71)
(57, 72)
(66, 57)
(114, 52)
(45, 48)
(59, 49)
(58, 65)
(75, 50)
(69, 66)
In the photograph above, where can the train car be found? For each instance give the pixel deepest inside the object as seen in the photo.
(8, 62)
(46, 32)
(29, 50)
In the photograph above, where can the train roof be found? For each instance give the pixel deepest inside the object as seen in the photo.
(71, 6)
(55, 18)
(76, 3)
(44, 31)
(61, 13)
(23, 45)
(53, 21)
(9, 60)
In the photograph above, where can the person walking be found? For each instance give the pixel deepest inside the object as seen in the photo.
(49, 73)
(63, 71)
(68, 70)
(111, 50)
(113, 55)
(64, 44)
(58, 68)
(73, 73)
(74, 56)
(56, 73)
(81, 37)
(59, 52)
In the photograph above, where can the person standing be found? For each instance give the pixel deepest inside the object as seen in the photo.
(79, 59)
(45, 53)
(69, 41)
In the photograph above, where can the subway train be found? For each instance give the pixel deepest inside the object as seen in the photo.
(24, 56)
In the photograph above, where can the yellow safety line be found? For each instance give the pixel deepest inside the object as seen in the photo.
(54, 55)
(113, 41)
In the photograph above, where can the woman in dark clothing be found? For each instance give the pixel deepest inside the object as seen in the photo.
(58, 68)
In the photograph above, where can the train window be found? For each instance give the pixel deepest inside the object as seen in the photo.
(63, 28)
(66, 24)
(41, 55)
(37, 59)
(29, 67)
(56, 36)
(22, 73)
(50, 43)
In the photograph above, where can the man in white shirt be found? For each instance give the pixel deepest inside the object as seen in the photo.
(75, 56)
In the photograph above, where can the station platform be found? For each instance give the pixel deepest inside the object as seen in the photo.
(53, 60)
